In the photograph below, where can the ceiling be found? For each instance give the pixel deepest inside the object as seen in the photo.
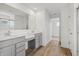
(9, 9)
(52, 8)
(45, 5)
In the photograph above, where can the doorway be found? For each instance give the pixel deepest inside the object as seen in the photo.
(55, 29)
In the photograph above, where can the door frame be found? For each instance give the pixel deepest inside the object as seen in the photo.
(60, 29)
(77, 27)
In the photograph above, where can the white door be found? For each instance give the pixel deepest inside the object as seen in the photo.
(66, 28)
(64, 31)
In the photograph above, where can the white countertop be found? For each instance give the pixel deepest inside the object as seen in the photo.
(15, 34)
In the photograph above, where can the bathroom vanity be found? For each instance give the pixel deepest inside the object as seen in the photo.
(15, 45)
(14, 36)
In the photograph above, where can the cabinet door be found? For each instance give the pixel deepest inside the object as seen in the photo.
(38, 40)
(7, 51)
(13, 50)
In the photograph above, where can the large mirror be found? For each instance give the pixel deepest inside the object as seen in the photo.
(5, 25)
(21, 22)
(12, 19)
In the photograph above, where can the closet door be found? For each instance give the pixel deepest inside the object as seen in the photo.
(67, 28)
(64, 28)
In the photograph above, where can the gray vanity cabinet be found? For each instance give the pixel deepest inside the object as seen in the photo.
(7, 51)
(38, 40)
(13, 47)
(6, 48)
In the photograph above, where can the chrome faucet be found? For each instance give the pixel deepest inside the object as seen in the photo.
(8, 33)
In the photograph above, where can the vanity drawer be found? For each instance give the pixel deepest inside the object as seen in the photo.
(20, 44)
(20, 49)
(18, 39)
(5, 43)
(30, 39)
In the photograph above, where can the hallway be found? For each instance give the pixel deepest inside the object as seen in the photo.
(52, 49)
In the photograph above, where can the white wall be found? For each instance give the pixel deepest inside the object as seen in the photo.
(43, 25)
(54, 27)
(39, 21)
(32, 22)
(47, 18)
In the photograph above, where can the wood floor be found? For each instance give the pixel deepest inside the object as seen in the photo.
(52, 49)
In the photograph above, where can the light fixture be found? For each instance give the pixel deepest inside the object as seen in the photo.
(35, 8)
(58, 24)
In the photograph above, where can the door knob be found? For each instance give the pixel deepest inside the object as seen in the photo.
(70, 33)
(69, 42)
